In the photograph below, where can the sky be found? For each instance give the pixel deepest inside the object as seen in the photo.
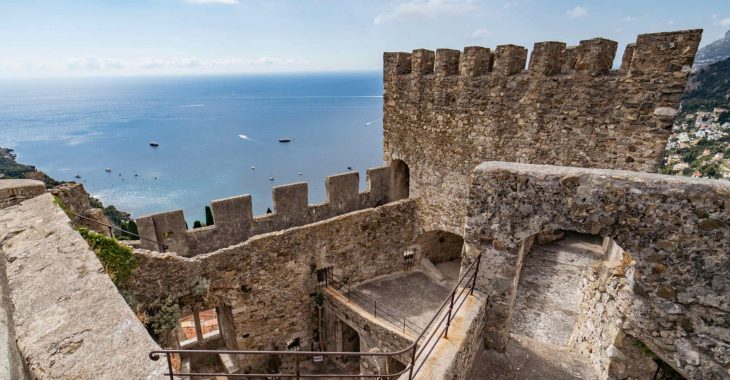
(62, 38)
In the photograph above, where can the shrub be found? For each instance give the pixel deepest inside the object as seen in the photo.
(117, 259)
(208, 216)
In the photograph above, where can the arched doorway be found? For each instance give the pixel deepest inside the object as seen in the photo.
(443, 250)
(399, 180)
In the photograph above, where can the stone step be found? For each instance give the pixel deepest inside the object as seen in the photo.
(228, 363)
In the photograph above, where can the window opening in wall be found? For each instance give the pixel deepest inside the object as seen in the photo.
(187, 325)
(209, 327)
(323, 276)
(209, 323)
(409, 257)
(293, 345)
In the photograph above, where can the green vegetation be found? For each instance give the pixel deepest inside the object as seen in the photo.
(117, 259)
(197, 224)
(162, 316)
(208, 216)
(13, 170)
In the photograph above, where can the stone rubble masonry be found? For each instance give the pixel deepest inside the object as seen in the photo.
(447, 111)
(75, 199)
(672, 289)
(14, 191)
(269, 281)
(69, 319)
(234, 220)
(375, 332)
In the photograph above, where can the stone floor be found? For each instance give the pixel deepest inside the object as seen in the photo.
(546, 310)
(528, 359)
(414, 294)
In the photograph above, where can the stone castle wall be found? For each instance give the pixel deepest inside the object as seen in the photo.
(234, 220)
(448, 111)
(672, 290)
(269, 281)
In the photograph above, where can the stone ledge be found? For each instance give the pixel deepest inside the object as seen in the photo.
(70, 320)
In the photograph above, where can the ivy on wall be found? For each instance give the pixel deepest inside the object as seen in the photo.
(117, 259)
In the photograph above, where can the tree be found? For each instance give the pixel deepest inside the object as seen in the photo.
(268, 210)
(208, 216)
(132, 228)
(197, 224)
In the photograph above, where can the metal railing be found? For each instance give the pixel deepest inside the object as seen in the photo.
(419, 350)
(371, 305)
(162, 247)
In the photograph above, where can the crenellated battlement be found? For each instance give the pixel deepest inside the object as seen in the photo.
(652, 53)
(235, 222)
(445, 111)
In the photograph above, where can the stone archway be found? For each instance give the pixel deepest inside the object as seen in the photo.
(676, 236)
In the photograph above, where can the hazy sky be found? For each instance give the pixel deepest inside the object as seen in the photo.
(122, 37)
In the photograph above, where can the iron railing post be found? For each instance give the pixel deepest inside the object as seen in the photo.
(413, 360)
(297, 356)
(111, 232)
(476, 271)
(169, 365)
(448, 319)
(376, 309)
(404, 325)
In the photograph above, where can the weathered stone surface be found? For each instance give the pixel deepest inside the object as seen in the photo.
(269, 281)
(568, 109)
(75, 199)
(234, 220)
(680, 310)
(70, 321)
(14, 191)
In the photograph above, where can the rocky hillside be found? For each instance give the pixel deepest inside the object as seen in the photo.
(10, 168)
(700, 142)
(714, 52)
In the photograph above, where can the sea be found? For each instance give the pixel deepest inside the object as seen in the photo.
(218, 136)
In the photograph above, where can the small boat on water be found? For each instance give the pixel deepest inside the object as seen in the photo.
(300, 173)
(154, 144)
(108, 170)
(271, 178)
(253, 168)
(77, 176)
(284, 140)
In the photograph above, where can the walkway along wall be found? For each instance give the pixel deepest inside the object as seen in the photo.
(672, 290)
(448, 111)
(234, 221)
(270, 280)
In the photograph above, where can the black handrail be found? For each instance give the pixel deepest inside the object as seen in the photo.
(452, 300)
(111, 228)
(371, 305)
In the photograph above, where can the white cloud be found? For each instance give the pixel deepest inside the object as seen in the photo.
(577, 12)
(480, 33)
(725, 22)
(627, 19)
(227, 2)
(420, 9)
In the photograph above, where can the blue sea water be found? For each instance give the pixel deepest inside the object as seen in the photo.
(69, 127)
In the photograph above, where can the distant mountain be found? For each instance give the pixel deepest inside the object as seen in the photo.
(714, 52)
(708, 87)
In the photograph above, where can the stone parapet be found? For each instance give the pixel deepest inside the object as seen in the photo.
(235, 222)
(568, 108)
(14, 191)
(69, 320)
